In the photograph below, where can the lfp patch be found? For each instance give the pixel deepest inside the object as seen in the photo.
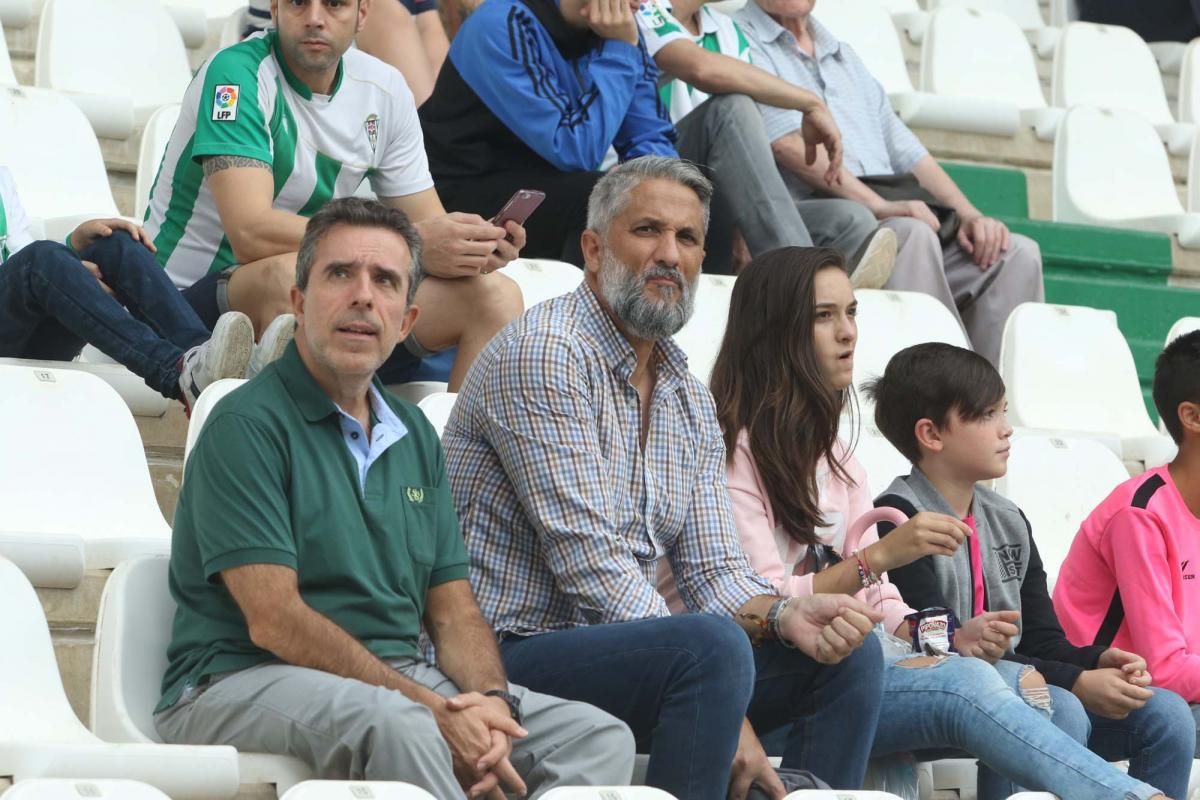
(225, 100)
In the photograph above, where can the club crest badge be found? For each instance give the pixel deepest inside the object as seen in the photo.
(225, 102)
(371, 126)
(415, 494)
(1009, 556)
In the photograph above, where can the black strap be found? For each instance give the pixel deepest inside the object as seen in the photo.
(1116, 609)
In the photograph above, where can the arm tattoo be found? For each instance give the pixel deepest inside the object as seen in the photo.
(214, 164)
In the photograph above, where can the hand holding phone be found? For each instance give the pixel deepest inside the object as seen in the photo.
(519, 207)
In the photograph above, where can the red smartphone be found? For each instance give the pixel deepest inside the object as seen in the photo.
(519, 207)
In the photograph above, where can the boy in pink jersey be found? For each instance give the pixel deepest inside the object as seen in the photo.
(1129, 580)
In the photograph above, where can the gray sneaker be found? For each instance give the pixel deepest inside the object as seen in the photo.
(874, 266)
(274, 341)
(225, 355)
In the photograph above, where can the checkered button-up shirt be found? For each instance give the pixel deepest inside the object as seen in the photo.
(564, 513)
(876, 142)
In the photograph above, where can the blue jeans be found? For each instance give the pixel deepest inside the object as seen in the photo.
(50, 307)
(683, 685)
(1158, 739)
(965, 703)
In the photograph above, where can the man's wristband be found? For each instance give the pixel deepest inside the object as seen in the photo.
(67, 242)
(773, 618)
(511, 700)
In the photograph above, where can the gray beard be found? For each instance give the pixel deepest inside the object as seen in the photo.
(645, 318)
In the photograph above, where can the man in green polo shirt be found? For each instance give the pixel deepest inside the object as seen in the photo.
(316, 533)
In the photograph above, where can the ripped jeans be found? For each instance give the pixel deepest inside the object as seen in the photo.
(964, 703)
(1156, 739)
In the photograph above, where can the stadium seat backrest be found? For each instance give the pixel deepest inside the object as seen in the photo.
(1189, 83)
(882, 462)
(1084, 186)
(1069, 368)
(55, 159)
(968, 52)
(7, 76)
(214, 9)
(133, 630)
(76, 51)
(81, 468)
(1110, 66)
(1063, 12)
(890, 321)
(701, 337)
(154, 145)
(437, 408)
(1057, 481)
(1182, 325)
(204, 404)
(1026, 13)
(31, 691)
(867, 26)
(543, 279)
(82, 789)
(900, 6)
(355, 790)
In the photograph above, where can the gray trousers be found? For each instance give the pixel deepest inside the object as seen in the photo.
(726, 134)
(348, 730)
(979, 299)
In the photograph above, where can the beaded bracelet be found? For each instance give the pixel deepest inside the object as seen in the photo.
(865, 576)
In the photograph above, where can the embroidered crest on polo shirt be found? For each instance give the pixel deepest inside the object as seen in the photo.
(371, 126)
(415, 494)
(225, 100)
(1183, 568)
(1009, 556)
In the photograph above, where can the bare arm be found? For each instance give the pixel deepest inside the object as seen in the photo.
(433, 39)
(933, 178)
(716, 73)
(281, 623)
(244, 191)
(395, 36)
(466, 645)
(458, 245)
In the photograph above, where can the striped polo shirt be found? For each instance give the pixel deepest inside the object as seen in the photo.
(245, 102)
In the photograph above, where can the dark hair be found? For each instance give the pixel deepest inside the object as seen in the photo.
(928, 381)
(1177, 380)
(767, 381)
(362, 213)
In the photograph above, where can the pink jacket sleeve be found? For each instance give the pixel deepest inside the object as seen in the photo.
(884, 596)
(756, 524)
(1136, 547)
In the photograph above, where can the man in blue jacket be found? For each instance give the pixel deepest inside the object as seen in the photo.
(535, 92)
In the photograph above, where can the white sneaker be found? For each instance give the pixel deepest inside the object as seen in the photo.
(225, 355)
(874, 267)
(274, 341)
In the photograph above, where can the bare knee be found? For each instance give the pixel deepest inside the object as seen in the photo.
(262, 290)
(916, 662)
(1034, 690)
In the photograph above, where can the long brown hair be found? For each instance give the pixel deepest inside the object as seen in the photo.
(767, 381)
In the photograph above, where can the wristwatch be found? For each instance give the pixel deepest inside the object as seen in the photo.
(513, 702)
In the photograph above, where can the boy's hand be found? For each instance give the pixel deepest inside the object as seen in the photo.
(987, 635)
(926, 534)
(1132, 666)
(94, 229)
(95, 270)
(1107, 693)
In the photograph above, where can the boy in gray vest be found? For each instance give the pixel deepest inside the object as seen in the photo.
(944, 408)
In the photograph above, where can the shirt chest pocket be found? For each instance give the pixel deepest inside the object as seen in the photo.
(421, 520)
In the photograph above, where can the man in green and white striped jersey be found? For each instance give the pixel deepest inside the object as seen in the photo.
(270, 130)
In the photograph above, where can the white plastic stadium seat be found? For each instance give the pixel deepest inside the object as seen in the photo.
(437, 408)
(200, 20)
(1068, 368)
(141, 400)
(150, 155)
(55, 159)
(75, 789)
(7, 76)
(1086, 189)
(76, 466)
(17, 13)
(1168, 56)
(840, 794)
(1057, 481)
(1033, 796)
(867, 27)
(40, 736)
(1111, 67)
(1189, 83)
(416, 391)
(607, 793)
(982, 56)
(118, 88)
(701, 337)
(890, 321)
(882, 462)
(132, 633)
(1182, 325)
(543, 279)
(1026, 13)
(1063, 12)
(204, 404)
(356, 790)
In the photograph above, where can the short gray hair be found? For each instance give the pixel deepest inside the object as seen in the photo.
(611, 193)
(361, 213)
